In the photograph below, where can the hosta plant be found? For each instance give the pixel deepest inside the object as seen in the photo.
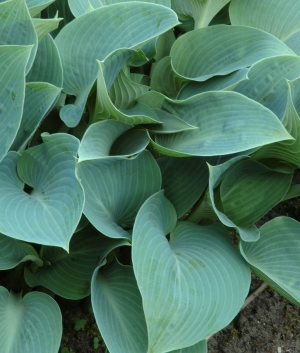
(136, 138)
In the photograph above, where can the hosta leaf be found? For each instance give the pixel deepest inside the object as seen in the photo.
(16, 27)
(276, 256)
(276, 17)
(216, 174)
(228, 122)
(219, 50)
(196, 280)
(47, 65)
(201, 11)
(250, 189)
(128, 24)
(39, 97)
(184, 180)
(62, 8)
(267, 82)
(14, 252)
(80, 7)
(44, 26)
(102, 139)
(115, 189)
(13, 61)
(153, 99)
(200, 347)
(69, 275)
(50, 214)
(105, 109)
(124, 91)
(36, 6)
(32, 324)
(165, 80)
(217, 83)
(288, 151)
(117, 305)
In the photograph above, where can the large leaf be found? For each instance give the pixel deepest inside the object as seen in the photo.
(280, 18)
(32, 324)
(216, 175)
(14, 252)
(191, 286)
(184, 180)
(117, 305)
(115, 188)
(201, 11)
(16, 27)
(80, 7)
(217, 83)
(275, 257)
(69, 275)
(250, 189)
(219, 50)
(13, 61)
(128, 24)
(227, 123)
(267, 82)
(50, 214)
(288, 151)
(39, 98)
(47, 65)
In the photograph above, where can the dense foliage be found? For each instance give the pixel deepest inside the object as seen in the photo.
(137, 136)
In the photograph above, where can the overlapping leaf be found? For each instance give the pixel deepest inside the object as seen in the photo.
(16, 27)
(186, 296)
(13, 60)
(227, 123)
(275, 257)
(219, 50)
(36, 6)
(44, 26)
(50, 214)
(80, 7)
(128, 24)
(69, 275)
(280, 18)
(201, 11)
(32, 324)
(118, 309)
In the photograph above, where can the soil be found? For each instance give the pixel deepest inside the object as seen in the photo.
(269, 324)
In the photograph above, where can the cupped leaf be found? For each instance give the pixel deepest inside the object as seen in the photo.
(250, 189)
(47, 65)
(216, 175)
(280, 18)
(117, 305)
(39, 98)
(288, 151)
(115, 188)
(16, 27)
(217, 83)
(44, 26)
(14, 252)
(36, 6)
(275, 257)
(50, 213)
(32, 324)
(123, 25)
(80, 7)
(165, 80)
(69, 275)
(191, 286)
(184, 180)
(227, 123)
(13, 61)
(201, 11)
(219, 50)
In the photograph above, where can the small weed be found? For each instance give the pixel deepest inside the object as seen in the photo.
(96, 342)
(65, 350)
(79, 324)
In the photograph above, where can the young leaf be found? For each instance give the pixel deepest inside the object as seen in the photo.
(117, 305)
(32, 324)
(191, 286)
(36, 6)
